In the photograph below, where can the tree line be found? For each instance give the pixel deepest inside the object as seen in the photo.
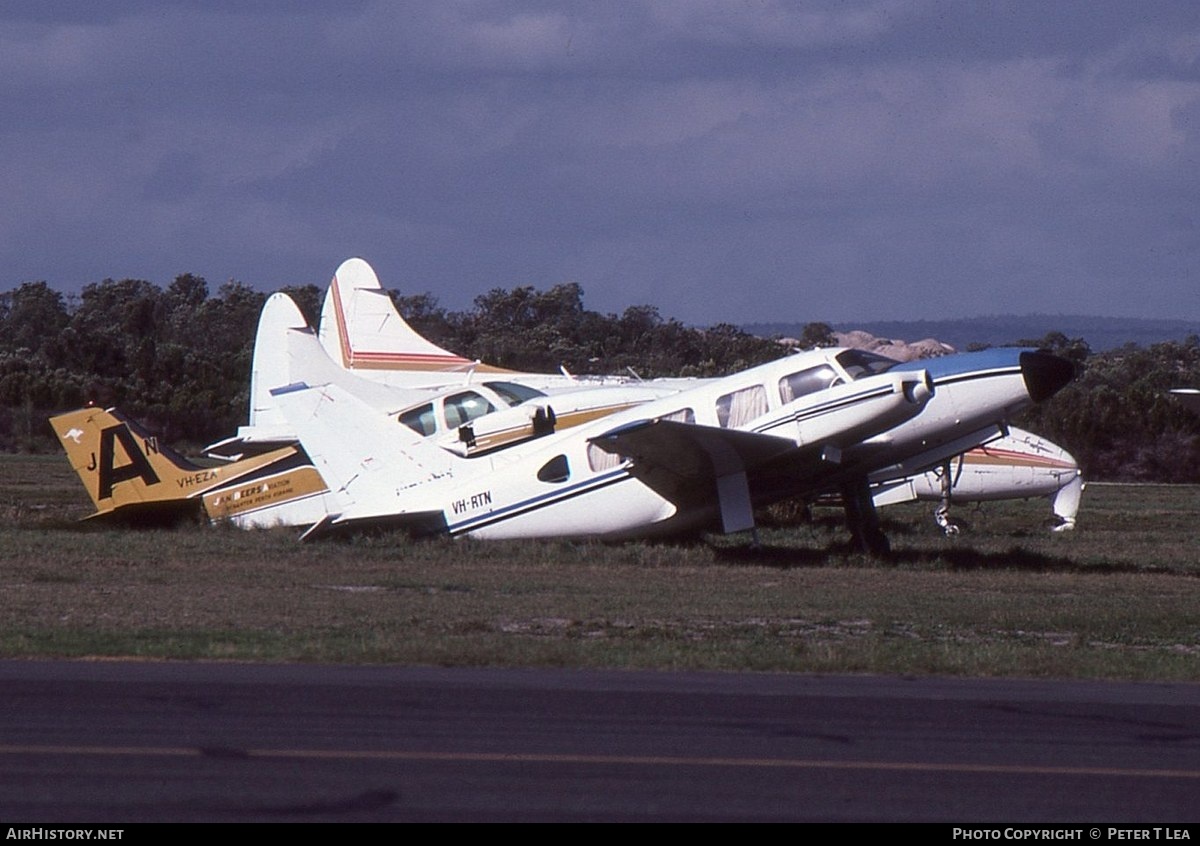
(1118, 417)
(179, 360)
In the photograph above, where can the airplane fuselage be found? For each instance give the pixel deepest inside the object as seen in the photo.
(974, 397)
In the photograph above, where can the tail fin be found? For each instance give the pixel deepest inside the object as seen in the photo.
(270, 367)
(127, 472)
(286, 353)
(361, 330)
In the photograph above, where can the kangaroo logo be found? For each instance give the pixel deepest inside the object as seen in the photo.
(137, 468)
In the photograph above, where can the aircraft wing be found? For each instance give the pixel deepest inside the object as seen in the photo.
(689, 455)
(690, 450)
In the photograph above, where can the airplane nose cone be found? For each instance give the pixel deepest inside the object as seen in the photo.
(1045, 374)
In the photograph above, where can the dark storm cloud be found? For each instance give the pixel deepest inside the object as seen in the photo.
(765, 160)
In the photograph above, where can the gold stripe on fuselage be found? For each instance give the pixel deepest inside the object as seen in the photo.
(371, 361)
(505, 437)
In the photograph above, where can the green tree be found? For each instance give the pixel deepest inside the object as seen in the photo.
(817, 335)
(31, 318)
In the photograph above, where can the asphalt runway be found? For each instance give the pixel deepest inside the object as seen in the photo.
(125, 742)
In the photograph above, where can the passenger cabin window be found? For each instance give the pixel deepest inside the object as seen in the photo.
(461, 409)
(806, 382)
(599, 460)
(740, 407)
(512, 393)
(555, 470)
(859, 364)
(683, 415)
(420, 420)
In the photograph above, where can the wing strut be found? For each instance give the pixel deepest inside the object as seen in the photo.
(733, 487)
(733, 493)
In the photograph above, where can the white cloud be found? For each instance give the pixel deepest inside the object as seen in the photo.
(665, 147)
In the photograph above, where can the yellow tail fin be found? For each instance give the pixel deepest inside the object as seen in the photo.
(127, 471)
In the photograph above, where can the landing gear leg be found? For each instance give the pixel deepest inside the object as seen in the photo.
(863, 521)
(942, 515)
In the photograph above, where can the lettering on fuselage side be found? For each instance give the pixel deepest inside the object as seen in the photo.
(295, 484)
(137, 468)
(472, 503)
(196, 478)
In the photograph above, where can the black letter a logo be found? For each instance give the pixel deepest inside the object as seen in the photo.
(137, 468)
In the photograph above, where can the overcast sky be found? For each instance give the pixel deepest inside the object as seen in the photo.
(724, 160)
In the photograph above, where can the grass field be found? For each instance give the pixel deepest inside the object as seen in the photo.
(1115, 599)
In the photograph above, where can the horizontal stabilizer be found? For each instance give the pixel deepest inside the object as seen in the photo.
(369, 461)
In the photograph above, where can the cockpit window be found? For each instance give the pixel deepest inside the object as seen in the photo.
(806, 382)
(859, 364)
(462, 408)
(512, 393)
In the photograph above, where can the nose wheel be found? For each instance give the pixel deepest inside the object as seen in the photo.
(942, 515)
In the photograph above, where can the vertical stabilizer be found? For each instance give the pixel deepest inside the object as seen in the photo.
(361, 330)
(271, 365)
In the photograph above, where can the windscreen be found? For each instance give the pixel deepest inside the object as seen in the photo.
(858, 363)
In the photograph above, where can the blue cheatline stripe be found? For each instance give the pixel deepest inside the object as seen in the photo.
(976, 374)
(539, 502)
(825, 408)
